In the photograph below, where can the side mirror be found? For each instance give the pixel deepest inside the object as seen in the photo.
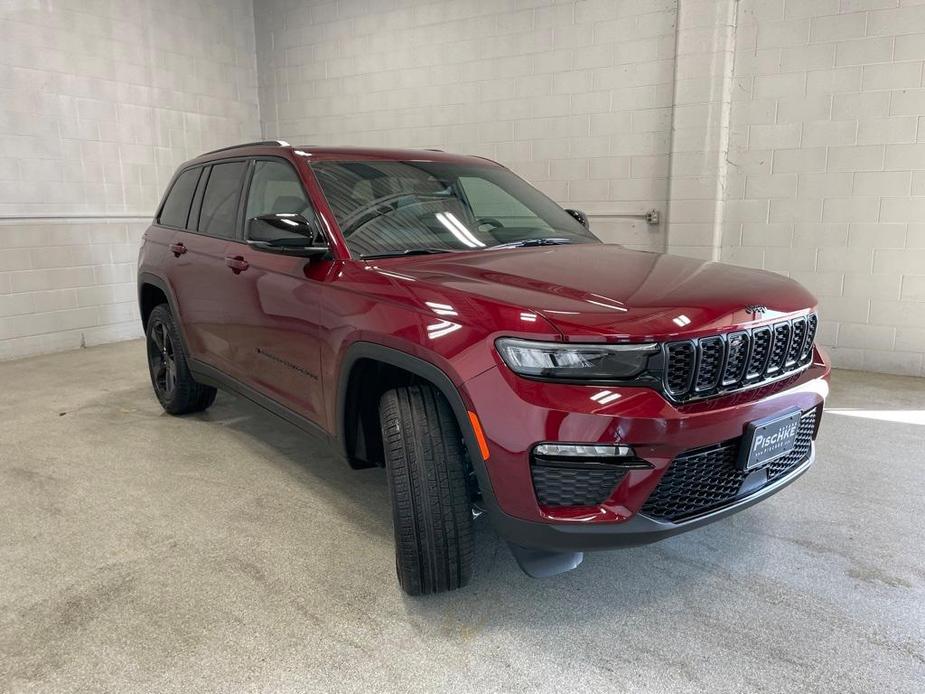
(287, 234)
(580, 216)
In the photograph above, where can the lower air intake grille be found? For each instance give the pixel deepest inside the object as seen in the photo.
(801, 448)
(573, 486)
(708, 478)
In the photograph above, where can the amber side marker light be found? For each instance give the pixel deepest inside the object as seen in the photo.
(479, 434)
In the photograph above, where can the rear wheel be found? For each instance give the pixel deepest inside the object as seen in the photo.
(426, 462)
(173, 383)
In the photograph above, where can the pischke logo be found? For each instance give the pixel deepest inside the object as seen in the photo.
(781, 435)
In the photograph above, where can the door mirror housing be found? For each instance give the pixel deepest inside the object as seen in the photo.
(580, 216)
(286, 234)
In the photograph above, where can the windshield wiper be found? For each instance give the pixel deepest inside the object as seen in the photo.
(532, 242)
(410, 251)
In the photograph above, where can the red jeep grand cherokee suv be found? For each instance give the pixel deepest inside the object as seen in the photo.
(436, 315)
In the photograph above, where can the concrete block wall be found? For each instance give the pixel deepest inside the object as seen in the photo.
(700, 135)
(574, 96)
(66, 284)
(781, 134)
(826, 177)
(99, 102)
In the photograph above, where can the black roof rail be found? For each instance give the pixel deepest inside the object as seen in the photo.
(261, 143)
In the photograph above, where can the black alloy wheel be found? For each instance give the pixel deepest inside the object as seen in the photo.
(174, 385)
(162, 361)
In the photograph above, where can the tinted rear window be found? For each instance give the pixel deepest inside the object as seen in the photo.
(176, 206)
(220, 202)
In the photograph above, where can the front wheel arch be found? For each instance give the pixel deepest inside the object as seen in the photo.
(424, 371)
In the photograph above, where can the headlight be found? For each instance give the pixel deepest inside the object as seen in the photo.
(574, 361)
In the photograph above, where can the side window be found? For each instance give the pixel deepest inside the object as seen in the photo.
(176, 207)
(219, 212)
(275, 187)
(489, 201)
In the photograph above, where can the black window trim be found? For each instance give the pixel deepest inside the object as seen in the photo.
(173, 183)
(199, 195)
(315, 219)
(202, 183)
(242, 203)
(196, 207)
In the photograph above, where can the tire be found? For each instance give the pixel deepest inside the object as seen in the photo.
(173, 383)
(425, 463)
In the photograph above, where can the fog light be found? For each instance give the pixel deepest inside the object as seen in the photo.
(573, 450)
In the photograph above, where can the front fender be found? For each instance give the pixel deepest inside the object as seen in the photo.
(430, 372)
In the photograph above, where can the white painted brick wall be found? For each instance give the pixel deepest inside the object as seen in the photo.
(99, 102)
(65, 285)
(791, 132)
(700, 133)
(574, 96)
(830, 94)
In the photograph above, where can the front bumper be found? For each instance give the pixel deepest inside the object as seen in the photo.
(637, 530)
(516, 414)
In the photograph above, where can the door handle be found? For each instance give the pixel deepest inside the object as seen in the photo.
(177, 249)
(236, 263)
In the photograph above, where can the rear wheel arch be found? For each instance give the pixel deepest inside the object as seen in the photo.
(149, 297)
(152, 291)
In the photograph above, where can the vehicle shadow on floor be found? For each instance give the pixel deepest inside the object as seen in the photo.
(359, 496)
(618, 578)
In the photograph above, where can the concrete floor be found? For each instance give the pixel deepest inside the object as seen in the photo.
(229, 552)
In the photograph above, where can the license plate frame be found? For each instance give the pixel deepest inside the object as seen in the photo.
(765, 440)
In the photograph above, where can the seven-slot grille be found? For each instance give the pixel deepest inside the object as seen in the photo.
(707, 478)
(724, 363)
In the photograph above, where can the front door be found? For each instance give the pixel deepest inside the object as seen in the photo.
(275, 303)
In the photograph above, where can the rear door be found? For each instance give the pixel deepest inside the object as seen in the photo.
(200, 273)
(274, 303)
(172, 217)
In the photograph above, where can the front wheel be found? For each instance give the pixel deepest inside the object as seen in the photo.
(173, 383)
(426, 467)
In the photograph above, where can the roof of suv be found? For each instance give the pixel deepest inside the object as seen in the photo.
(341, 152)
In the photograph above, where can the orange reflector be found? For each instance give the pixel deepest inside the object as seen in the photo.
(479, 434)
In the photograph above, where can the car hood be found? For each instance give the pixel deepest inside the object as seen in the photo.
(600, 290)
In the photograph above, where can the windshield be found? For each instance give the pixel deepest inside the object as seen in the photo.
(393, 207)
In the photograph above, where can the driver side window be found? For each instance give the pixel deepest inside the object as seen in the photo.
(275, 187)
